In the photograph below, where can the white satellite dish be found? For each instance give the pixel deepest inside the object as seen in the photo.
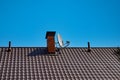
(61, 43)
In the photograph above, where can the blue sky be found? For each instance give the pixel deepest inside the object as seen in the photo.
(25, 22)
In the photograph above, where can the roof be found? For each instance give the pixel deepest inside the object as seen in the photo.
(26, 63)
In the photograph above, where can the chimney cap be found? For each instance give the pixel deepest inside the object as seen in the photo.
(50, 33)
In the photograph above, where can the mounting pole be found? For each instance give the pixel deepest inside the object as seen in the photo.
(89, 47)
(9, 47)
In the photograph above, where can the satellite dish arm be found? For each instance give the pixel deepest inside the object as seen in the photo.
(67, 43)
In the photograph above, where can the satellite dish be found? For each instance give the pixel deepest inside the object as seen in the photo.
(61, 43)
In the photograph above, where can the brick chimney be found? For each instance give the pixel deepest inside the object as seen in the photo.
(50, 41)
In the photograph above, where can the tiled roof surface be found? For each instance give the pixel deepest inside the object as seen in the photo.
(25, 63)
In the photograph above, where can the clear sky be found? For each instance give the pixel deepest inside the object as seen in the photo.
(25, 22)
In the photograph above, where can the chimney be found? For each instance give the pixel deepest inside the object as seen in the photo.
(9, 47)
(89, 47)
(50, 41)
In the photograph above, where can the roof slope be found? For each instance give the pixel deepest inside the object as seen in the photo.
(26, 63)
